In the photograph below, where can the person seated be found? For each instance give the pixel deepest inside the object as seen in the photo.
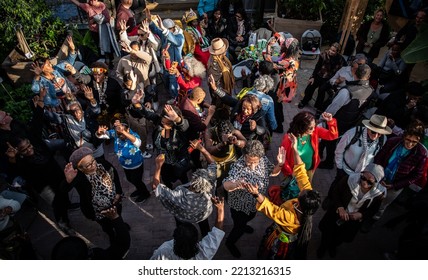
(390, 70)
(329, 62)
(339, 80)
(239, 30)
(217, 25)
(409, 32)
(186, 244)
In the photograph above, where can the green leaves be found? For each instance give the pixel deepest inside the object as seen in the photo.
(417, 51)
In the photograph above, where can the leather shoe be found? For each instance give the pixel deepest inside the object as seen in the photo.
(135, 193)
(301, 105)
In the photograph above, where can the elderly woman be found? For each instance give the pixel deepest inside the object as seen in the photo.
(373, 35)
(329, 62)
(255, 168)
(80, 125)
(289, 235)
(190, 202)
(248, 115)
(354, 199)
(189, 74)
(98, 185)
(239, 30)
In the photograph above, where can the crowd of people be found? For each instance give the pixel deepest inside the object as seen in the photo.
(210, 145)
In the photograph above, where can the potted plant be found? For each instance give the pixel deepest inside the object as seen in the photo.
(297, 16)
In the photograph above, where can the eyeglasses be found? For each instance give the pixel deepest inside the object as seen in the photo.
(363, 178)
(413, 142)
(89, 165)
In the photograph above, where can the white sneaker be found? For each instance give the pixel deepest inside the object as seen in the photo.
(149, 147)
(146, 155)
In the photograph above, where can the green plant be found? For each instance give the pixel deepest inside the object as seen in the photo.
(42, 31)
(16, 101)
(298, 9)
(417, 51)
(83, 39)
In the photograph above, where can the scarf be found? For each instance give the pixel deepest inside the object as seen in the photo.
(225, 67)
(362, 162)
(354, 185)
(241, 28)
(81, 136)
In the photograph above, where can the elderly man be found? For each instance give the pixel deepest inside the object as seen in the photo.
(189, 203)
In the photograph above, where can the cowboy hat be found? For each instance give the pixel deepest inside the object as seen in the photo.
(378, 124)
(219, 46)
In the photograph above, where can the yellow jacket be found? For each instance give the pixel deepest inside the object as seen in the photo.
(285, 215)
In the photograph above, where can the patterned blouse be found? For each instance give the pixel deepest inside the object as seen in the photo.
(186, 205)
(242, 200)
(103, 190)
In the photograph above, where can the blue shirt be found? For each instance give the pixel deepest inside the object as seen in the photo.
(129, 154)
(267, 107)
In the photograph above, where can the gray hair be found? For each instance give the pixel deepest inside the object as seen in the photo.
(260, 84)
(254, 148)
(196, 68)
(269, 83)
(200, 181)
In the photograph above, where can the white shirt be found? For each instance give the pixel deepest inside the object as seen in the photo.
(208, 247)
(4, 219)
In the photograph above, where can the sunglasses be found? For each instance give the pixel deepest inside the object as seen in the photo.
(363, 178)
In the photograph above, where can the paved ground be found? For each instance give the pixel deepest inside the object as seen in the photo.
(151, 224)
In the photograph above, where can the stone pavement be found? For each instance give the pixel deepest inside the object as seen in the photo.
(151, 224)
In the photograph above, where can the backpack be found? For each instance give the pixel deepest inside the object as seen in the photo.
(351, 113)
(358, 131)
(357, 135)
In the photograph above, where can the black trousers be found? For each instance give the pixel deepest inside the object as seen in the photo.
(170, 174)
(135, 177)
(310, 89)
(240, 220)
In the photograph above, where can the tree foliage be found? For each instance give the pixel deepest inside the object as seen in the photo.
(42, 30)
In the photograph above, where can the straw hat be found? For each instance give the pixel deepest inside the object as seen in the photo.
(219, 46)
(378, 124)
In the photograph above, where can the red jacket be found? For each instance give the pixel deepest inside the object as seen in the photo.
(319, 132)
